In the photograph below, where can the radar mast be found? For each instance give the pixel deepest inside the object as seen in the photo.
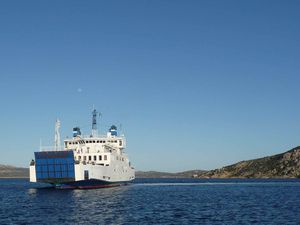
(94, 123)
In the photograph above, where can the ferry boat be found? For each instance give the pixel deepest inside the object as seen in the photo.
(93, 161)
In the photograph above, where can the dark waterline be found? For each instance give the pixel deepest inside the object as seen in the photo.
(155, 201)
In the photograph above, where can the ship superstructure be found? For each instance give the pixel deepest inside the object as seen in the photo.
(90, 161)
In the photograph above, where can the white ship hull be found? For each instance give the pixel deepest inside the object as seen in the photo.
(60, 169)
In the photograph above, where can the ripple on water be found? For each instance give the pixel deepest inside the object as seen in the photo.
(154, 202)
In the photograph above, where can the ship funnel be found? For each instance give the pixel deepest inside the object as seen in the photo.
(76, 131)
(113, 130)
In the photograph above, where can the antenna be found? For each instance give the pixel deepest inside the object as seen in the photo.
(57, 135)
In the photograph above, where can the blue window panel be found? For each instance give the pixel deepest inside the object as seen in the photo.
(57, 168)
(38, 175)
(43, 161)
(51, 168)
(58, 175)
(51, 175)
(38, 168)
(64, 174)
(51, 161)
(38, 161)
(71, 174)
(50, 165)
(64, 167)
(70, 166)
(70, 160)
(45, 168)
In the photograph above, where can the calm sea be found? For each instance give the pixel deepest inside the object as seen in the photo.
(154, 201)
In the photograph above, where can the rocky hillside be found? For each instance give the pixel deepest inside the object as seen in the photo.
(13, 172)
(284, 165)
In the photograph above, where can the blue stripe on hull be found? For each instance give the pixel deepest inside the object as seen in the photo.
(89, 184)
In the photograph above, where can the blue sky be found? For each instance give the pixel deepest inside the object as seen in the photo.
(195, 84)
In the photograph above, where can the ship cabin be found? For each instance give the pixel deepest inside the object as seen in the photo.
(96, 149)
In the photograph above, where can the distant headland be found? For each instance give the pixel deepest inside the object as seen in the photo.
(283, 165)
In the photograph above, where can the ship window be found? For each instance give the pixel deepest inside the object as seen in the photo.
(84, 158)
(94, 141)
(103, 141)
(100, 157)
(120, 143)
(95, 158)
(90, 158)
(70, 143)
(79, 157)
(97, 141)
(105, 157)
(76, 143)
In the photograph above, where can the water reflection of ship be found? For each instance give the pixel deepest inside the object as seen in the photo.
(100, 203)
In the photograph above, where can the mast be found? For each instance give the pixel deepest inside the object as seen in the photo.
(57, 135)
(94, 123)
